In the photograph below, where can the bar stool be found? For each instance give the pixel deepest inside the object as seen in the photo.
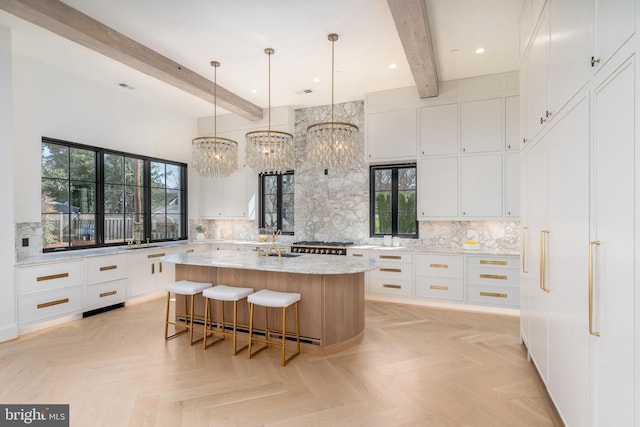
(223, 293)
(186, 288)
(267, 299)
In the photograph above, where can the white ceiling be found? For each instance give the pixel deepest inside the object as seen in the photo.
(236, 32)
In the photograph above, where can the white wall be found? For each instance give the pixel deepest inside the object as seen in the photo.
(51, 102)
(8, 323)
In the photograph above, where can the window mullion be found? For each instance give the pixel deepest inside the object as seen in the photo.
(394, 201)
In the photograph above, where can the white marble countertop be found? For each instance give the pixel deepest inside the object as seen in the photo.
(303, 263)
(437, 250)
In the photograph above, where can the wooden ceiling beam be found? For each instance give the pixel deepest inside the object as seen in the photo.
(412, 24)
(74, 25)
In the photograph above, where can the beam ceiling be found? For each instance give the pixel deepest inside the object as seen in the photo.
(72, 24)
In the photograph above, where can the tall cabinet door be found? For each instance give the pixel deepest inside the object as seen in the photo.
(536, 205)
(612, 225)
(567, 260)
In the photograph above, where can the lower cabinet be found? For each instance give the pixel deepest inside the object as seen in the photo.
(47, 291)
(439, 276)
(493, 281)
(147, 273)
(395, 274)
(106, 281)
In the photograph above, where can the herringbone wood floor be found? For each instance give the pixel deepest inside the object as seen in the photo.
(416, 366)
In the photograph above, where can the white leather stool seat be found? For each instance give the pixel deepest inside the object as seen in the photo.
(187, 287)
(227, 293)
(267, 298)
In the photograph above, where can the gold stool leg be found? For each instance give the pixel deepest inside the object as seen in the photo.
(284, 331)
(166, 319)
(250, 328)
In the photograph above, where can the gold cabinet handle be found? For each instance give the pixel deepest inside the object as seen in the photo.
(439, 288)
(108, 294)
(523, 249)
(493, 276)
(108, 267)
(591, 246)
(390, 257)
(391, 270)
(189, 251)
(492, 262)
(52, 277)
(50, 303)
(153, 268)
(360, 255)
(438, 265)
(160, 264)
(543, 259)
(156, 255)
(386, 285)
(493, 294)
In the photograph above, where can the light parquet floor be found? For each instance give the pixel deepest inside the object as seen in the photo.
(417, 366)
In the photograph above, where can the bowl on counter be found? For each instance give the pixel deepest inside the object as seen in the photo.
(471, 246)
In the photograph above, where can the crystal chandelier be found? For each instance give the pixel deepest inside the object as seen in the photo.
(333, 145)
(214, 156)
(269, 151)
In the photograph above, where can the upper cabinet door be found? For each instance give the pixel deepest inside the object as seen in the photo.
(512, 123)
(570, 49)
(481, 185)
(392, 135)
(437, 187)
(536, 75)
(481, 126)
(615, 24)
(439, 130)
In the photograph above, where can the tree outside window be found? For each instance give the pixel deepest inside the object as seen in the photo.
(393, 201)
(277, 206)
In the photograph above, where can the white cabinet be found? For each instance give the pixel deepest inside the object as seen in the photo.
(231, 197)
(106, 281)
(147, 273)
(391, 135)
(613, 222)
(614, 25)
(536, 75)
(481, 126)
(512, 185)
(512, 123)
(570, 49)
(493, 281)
(481, 185)
(439, 130)
(439, 276)
(48, 291)
(437, 187)
(395, 274)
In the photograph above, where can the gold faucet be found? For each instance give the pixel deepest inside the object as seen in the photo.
(273, 248)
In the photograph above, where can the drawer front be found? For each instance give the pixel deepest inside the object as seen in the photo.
(439, 265)
(495, 262)
(106, 268)
(449, 288)
(49, 305)
(106, 294)
(383, 284)
(49, 277)
(495, 276)
(358, 254)
(149, 255)
(387, 257)
(493, 295)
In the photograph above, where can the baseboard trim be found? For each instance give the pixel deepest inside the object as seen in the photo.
(9, 332)
(445, 305)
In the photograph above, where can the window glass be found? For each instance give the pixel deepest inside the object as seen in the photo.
(277, 207)
(393, 200)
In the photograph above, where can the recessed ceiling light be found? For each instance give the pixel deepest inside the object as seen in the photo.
(393, 66)
(316, 79)
(125, 85)
(480, 50)
(455, 51)
(254, 91)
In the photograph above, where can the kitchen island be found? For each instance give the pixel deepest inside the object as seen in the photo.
(332, 289)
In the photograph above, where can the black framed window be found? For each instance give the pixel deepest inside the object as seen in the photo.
(277, 206)
(393, 195)
(93, 197)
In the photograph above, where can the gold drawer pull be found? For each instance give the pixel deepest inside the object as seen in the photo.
(190, 250)
(108, 267)
(386, 285)
(108, 294)
(391, 270)
(390, 257)
(439, 265)
(52, 277)
(493, 294)
(360, 255)
(493, 276)
(50, 303)
(439, 288)
(156, 255)
(488, 262)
